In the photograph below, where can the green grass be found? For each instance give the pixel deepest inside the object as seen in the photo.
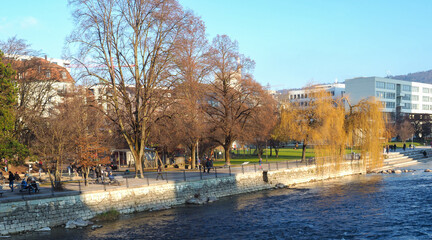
(400, 144)
(284, 154)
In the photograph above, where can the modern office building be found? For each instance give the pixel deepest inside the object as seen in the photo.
(400, 98)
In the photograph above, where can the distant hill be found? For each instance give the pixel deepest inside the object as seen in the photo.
(424, 77)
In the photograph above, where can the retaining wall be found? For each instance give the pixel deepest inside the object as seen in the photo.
(34, 214)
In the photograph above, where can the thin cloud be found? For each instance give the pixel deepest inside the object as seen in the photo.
(28, 22)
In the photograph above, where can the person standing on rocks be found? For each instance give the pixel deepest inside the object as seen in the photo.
(11, 180)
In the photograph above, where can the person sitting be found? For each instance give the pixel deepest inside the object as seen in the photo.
(34, 185)
(425, 154)
(24, 185)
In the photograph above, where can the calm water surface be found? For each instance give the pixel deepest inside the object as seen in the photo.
(358, 207)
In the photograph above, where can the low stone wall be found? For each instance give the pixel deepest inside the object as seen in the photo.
(34, 214)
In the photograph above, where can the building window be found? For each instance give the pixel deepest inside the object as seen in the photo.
(425, 99)
(63, 75)
(407, 97)
(414, 97)
(407, 106)
(414, 89)
(425, 90)
(425, 107)
(380, 94)
(305, 95)
(380, 84)
(332, 93)
(414, 106)
(390, 86)
(390, 104)
(406, 88)
(390, 95)
(48, 74)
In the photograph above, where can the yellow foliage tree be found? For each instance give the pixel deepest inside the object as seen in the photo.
(324, 123)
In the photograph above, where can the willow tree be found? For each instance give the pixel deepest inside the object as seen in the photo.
(129, 47)
(366, 129)
(304, 121)
(331, 137)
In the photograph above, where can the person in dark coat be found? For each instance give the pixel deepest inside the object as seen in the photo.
(11, 180)
(404, 146)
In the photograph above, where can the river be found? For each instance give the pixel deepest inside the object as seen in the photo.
(394, 206)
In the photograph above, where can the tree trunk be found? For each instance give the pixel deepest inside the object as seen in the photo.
(193, 155)
(227, 148)
(304, 152)
(86, 174)
(271, 151)
(277, 152)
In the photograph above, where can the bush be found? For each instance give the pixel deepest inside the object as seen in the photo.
(110, 215)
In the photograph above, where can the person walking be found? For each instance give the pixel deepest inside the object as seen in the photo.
(11, 180)
(404, 146)
(208, 166)
(204, 164)
(159, 172)
(260, 163)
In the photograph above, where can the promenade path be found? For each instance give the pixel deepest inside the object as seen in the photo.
(75, 185)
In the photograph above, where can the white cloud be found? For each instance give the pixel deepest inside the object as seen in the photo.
(28, 22)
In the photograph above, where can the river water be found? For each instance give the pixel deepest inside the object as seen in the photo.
(395, 206)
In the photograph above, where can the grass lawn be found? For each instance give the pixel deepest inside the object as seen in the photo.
(400, 144)
(284, 154)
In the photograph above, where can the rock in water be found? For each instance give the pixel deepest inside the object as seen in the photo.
(44, 229)
(398, 171)
(212, 199)
(280, 185)
(81, 223)
(428, 170)
(96, 226)
(70, 224)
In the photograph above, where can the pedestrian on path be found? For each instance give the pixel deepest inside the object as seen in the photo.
(260, 163)
(404, 147)
(208, 166)
(11, 180)
(159, 172)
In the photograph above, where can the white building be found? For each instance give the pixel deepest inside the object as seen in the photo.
(337, 90)
(398, 97)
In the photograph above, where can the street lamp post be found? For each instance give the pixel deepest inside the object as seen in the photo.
(266, 152)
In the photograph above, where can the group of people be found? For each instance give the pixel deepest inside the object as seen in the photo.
(393, 148)
(28, 183)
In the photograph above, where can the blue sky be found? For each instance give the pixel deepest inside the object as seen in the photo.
(292, 42)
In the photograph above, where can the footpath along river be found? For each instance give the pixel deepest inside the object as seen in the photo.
(375, 206)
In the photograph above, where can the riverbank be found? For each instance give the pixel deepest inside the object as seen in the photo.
(31, 215)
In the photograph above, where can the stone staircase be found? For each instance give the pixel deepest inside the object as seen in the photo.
(403, 159)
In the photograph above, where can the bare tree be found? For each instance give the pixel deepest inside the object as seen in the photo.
(405, 130)
(233, 96)
(36, 80)
(192, 68)
(128, 46)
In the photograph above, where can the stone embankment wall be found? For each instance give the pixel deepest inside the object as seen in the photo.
(34, 214)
